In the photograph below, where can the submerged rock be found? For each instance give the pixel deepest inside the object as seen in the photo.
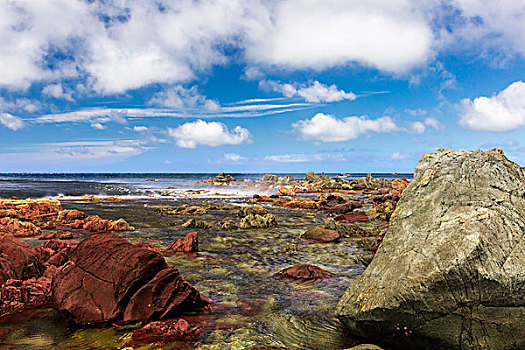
(355, 216)
(258, 221)
(159, 331)
(304, 273)
(450, 272)
(321, 235)
(107, 277)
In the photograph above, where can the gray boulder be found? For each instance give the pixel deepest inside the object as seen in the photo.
(450, 273)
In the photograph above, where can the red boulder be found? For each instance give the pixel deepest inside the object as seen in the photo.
(165, 331)
(189, 244)
(106, 277)
(18, 260)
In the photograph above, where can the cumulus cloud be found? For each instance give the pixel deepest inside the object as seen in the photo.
(388, 35)
(503, 111)
(499, 23)
(213, 134)
(11, 122)
(418, 128)
(315, 92)
(57, 91)
(327, 128)
(177, 97)
(140, 128)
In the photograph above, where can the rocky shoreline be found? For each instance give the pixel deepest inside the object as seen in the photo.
(93, 277)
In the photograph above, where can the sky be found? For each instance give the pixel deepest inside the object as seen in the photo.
(257, 85)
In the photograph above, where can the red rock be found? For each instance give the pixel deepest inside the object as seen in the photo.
(301, 203)
(17, 295)
(189, 244)
(18, 260)
(19, 228)
(165, 331)
(146, 245)
(355, 216)
(94, 223)
(304, 273)
(286, 191)
(8, 213)
(400, 184)
(166, 295)
(32, 209)
(263, 198)
(67, 215)
(103, 276)
(321, 235)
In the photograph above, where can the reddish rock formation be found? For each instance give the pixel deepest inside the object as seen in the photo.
(32, 209)
(146, 245)
(164, 331)
(17, 295)
(189, 244)
(66, 216)
(400, 184)
(304, 273)
(106, 277)
(58, 235)
(8, 213)
(18, 260)
(94, 223)
(301, 203)
(264, 199)
(286, 191)
(319, 234)
(356, 216)
(19, 228)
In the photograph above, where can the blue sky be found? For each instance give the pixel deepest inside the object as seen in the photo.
(257, 85)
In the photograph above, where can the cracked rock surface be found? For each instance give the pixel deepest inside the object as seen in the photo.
(108, 279)
(450, 273)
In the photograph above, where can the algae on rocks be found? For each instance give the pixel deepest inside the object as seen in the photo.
(450, 273)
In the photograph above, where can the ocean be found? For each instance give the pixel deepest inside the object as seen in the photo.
(140, 185)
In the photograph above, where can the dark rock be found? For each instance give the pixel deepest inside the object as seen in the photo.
(319, 234)
(311, 177)
(450, 272)
(304, 273)
(223, 178)
(245, 211)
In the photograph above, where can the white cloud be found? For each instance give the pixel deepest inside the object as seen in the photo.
(326, 128)
(11, 122)
(179, 98)
(57, 91)
(433, 123)
(418, 128)
(98, 126)
(229, 158)
(504, 111)
(315, 92)
(305, 158)
(388, 35)
(140, 128)
(213, 134)
(498, 23)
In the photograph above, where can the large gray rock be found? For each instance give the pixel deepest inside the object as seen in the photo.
(450, 273)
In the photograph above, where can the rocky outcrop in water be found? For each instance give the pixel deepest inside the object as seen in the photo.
(188, 244)
(320, 235)
(159, 331)
(450, 272)
(304, 273)
(108, 279)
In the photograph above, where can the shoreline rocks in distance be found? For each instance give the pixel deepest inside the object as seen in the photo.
(450, 272)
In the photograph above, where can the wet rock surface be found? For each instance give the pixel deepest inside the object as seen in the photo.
(450, 270)
(304, 273)
(320, 234)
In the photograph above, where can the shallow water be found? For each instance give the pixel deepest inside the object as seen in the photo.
(235, 269)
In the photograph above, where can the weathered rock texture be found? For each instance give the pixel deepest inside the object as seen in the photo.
(108, 279)
(450, 273)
